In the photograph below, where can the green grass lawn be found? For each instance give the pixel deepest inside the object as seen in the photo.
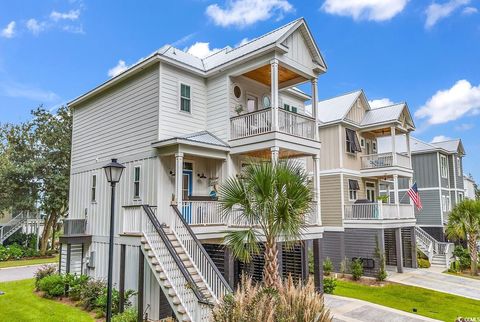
(24, 262)
(428, 303)
(21, 304)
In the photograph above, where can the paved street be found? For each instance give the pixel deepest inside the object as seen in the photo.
(18, 273)
(434, 279)
(352, 310)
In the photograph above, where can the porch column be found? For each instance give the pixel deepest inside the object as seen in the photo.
(399, 246)
(179, 178)
(409, 150)
(318, 264)
(396, 193)
(274, 89)
(414, 247)
(229, 267)
(315, 104)
(410, 183)
(316, 185)
(394, 150)
(275, 154)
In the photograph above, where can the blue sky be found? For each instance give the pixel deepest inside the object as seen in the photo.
(424, 52)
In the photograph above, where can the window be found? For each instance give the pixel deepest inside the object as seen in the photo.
(460, 196)
(362, 143)
(286, 107)
(266, 101)
(443, 166)
(446, 205)
(252, 103)
(237, 91)
(374, 146)
(353, 145)
(185, 98)
(294, 109)
(459, 167)
(94, 188)
(136, 182)
(353, 187)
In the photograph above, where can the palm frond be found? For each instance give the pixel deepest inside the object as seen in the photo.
(243, 243)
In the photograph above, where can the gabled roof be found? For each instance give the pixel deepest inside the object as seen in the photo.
(336, 108)
(416, 145)
(204, 137)
(221, 59)
(452, 146)
(383, 114)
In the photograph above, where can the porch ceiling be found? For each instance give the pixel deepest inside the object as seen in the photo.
(267, 154)
(263, 75)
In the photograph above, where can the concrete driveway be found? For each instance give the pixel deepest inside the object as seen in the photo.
(433, 278)
(18, 273)
(346, 309)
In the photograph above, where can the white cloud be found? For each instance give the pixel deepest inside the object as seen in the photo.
(201, 49)
(120, 67)
(13, 89)
(464, 127)
(376, 10)
(469, 10)
(380, 102)
(451, 104)
(71, 15)
(242, 42)
(35, 27)
(9, 30)
(247, 12)
(436, 12)
(74, 29)
(440, 138)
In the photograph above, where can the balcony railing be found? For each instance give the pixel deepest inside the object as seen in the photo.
(72, 227)
(260, 122)
(378, 211)
(382, 160)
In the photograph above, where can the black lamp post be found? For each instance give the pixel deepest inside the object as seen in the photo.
(113, 171)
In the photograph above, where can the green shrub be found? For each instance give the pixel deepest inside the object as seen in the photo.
(74, 284)
(327, 266)
(52, 285)
(42, 272)
(423, 263)
(90, 292)
(130, 315)
(101, 302)
(311, 267)
(329, 285)
(463, 257)
(356, 268)
(3, 253)
(31, 252)
(454, 267)
(344, 266)
(14, 251)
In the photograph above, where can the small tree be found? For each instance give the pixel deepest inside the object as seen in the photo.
(464, 223)
(357, 269)
(327, 266)
(274, 198)
(380, 256)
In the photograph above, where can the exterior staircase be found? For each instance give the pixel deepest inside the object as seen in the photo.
(438, 253)
(12, 226)
(184, 271)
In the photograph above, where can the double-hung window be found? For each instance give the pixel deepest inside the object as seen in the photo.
(294, 109)
(136, 182)
(443, 166)
(352, 143)
(459, 167)
(94, 188)
(286, 107)
(353, 187)
(185, 98)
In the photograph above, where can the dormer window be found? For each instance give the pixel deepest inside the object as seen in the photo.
(353, 146)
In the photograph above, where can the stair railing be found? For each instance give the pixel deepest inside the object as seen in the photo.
(12, 226)
(194, 302)
(214, 280)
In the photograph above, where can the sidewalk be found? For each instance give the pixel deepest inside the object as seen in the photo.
(346, 309)
(18, 273)
(433, 278)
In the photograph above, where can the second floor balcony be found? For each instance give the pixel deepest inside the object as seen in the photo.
(262, 122)
(385, 160)
(379, 213)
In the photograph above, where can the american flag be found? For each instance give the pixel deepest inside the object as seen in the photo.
(413, 194)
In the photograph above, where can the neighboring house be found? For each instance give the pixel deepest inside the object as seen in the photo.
(182, 125)
(351, 171)
(438, 172)
(469, 187)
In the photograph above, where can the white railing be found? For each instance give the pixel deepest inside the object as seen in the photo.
(379, 210)
(382, 160)
(202, 212)
(250, 124)
(12, 226)
(133, 219)
(212, 277)
(296, 124)
(430, 246)
(197, 311)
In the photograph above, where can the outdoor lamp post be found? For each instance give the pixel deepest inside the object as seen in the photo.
(113, 171)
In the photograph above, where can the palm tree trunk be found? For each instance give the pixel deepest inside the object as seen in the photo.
(472, 245)
(271, 275)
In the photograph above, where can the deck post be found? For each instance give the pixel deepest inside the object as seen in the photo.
(399, 249)
(229, 267)
(318, 264)
(121, 284)
(316, 189)
(274, 93)
(315, 104)
(140, 287)
(178, 180)
(414, 248)
(275, 154)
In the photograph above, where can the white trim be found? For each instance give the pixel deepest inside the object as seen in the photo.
(340, 171)
(180, 83)
(333, 229)
(340, 146)
(430, 189)
(439, 186)
(139, 196)
(342, 199)
(93, 197)
(443, 171)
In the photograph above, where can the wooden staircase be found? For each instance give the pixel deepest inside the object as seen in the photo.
(12, 226)
(190, 291)
(438, 253)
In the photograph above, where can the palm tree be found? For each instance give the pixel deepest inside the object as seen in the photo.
(274, 198)
(464, 223)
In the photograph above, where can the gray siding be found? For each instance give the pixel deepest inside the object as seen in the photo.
(334, 247)
(459, 175)
(431, 212)
(452, 175)
(122, 121)
(360, 242)
(425, 169)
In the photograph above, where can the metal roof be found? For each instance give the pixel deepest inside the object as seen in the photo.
(336, 108)
(383, 114)
(452, 146)
(204, 137)
(416, 145)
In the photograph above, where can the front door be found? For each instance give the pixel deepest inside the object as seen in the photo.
(186, 193)
(370, 190)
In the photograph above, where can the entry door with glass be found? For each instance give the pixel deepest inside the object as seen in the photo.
(371, 191)
(187, 191)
